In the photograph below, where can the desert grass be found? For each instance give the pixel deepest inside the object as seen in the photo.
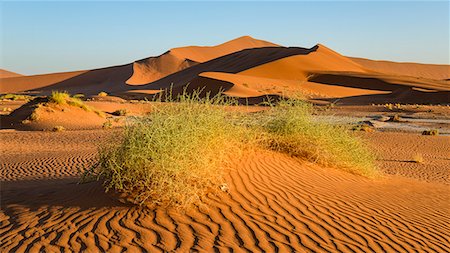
(15, 97)
(292, 130)
(58, 129)
(64, 98)
(172, 157)
(418, 158)
(177, 154)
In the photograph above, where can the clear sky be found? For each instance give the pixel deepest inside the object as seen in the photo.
(44, 37)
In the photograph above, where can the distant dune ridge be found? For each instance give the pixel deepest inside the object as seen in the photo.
(7, 74)
(250, 69)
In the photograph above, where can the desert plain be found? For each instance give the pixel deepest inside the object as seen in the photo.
(273, 201)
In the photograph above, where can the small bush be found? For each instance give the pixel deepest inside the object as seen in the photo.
(102, 94)
(418, 158)
(58, 97)
(172, 157)
(430, 132)
(120, 112)
(64, 98)
(292, 131)
(58, 129)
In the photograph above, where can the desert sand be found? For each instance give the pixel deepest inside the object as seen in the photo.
(275, 203)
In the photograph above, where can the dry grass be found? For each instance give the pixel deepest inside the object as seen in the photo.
(177, 154)
(102, 94)
(58, 129)
(15, 97)
(292, 131)
(431, 132)
(418, 158)
(172, 157)
(64, 98)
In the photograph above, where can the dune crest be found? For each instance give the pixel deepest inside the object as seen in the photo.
(151, 69)
(7, 74)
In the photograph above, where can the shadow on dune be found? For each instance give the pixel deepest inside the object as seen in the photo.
(402, 89)
(402, 96)
(113, 80)
(65, 192)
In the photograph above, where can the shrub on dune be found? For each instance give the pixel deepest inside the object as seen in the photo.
(64, 98)
(291, 129)
(172, 157)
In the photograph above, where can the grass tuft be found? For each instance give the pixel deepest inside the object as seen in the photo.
(58, 129)
(172, 157)
(102, 94)
(292, 130)
(418, 158)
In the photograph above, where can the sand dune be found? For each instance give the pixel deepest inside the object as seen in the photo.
(8, 74)
(154, 68)
(276, 203)
(38, 115)
(430, 71)
(248, 68)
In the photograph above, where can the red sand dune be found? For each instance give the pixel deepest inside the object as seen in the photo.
(7, 74)
(153, 68)
(250, 68)
(430, 71)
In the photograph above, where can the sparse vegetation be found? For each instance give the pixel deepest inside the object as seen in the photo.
(364, 128)
(58, 129)
(120, 112)
(431, 132)
(292, 131)
(102, 94)
(15, 97)
(64, 98)
(418, 158)
(176, 154)
(107, 125)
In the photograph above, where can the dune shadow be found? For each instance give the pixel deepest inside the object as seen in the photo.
(67, 192)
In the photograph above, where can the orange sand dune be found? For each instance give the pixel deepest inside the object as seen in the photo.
(430, 71)
(176, 59)
(275, 203)
(8, 74)
(250, 68)
(27, 83)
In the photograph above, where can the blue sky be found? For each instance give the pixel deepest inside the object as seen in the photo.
(43, 37)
